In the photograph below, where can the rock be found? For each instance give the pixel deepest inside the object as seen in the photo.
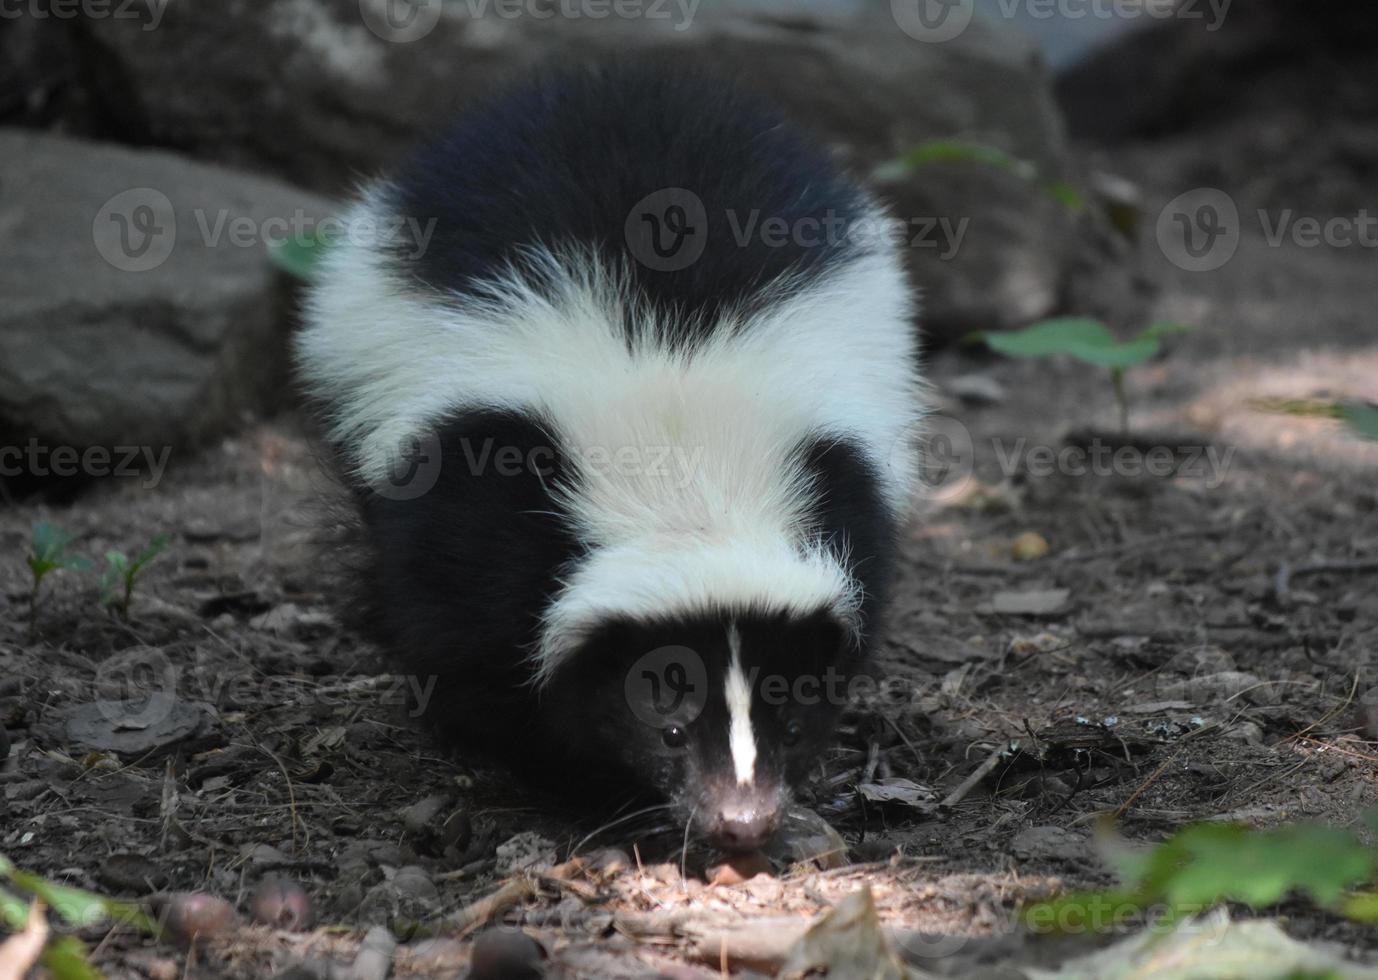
(419, 817)
(408, 894)
(977, 389)
(992, 249)
(124, 872)
(803, 837)
(1034, 602)
(282, 904)
(140, 306)
(144, 729)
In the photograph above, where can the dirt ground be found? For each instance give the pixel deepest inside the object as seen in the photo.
(1213, 656)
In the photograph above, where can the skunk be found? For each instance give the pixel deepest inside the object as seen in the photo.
(623, 370)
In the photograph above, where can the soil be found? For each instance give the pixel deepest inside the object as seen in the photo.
(1213, 657)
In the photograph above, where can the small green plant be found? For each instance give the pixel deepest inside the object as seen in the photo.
(1361, 417)
(1087, 340)
(1206, 864)
(50, 550)
(982, 154)
(65, 957)
(121, 572)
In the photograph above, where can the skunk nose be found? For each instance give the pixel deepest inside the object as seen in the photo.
(744, 829)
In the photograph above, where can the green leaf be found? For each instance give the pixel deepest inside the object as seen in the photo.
(1085, 339)
(50, 542)
(1082, 912)
(1067, 195)
(981, 154)
(112, 579)
(961, 151)
(1361, 907)
(1362, 418)
(1166, 328)
(77, 906)
(1260, 868)
(154, 549)
(1209, 863)
(14, 911)
(299, 256)
(66, 959)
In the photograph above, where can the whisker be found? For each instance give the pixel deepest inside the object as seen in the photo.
(620, 820)
(684, 850)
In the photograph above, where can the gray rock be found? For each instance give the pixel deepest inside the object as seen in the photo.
(143, 729)
(140, 304)
(314, 91)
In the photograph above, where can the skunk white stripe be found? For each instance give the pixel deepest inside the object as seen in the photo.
(687, 495)
(739, 734)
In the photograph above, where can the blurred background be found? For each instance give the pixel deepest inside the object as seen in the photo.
(155, 150)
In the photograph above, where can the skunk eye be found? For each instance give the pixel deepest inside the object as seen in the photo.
(674, 737)
(794, 731)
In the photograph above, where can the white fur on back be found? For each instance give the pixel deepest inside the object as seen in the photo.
(689, 497)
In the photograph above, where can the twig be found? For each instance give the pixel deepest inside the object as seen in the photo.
(291, 796)
(1282, 582)
(1153, 778)
(480, 913)
(515, 890)
(972, 781)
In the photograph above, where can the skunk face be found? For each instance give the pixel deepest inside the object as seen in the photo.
(573, 455)
(719, 714)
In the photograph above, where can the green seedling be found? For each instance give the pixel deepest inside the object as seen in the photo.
(1207, 864)
(49, 551)
(121, 572)
(1089, 341)
(981, 154)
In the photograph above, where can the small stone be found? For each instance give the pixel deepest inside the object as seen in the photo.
(739, 868)
(125, 872)
(192, 916)
(1028, 546)
(282, 904)
(420, 815)
(1035, 602)
(506, 954)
